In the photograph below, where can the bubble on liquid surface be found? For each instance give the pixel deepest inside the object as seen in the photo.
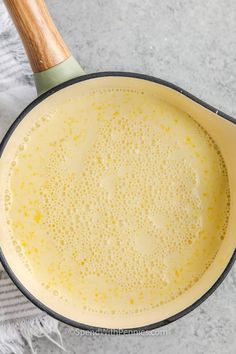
(119, 205)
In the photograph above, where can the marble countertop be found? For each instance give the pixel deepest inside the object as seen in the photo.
(192, 44)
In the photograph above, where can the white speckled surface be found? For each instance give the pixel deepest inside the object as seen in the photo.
(190, 43)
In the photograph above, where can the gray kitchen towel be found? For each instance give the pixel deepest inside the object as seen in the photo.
(20, 320)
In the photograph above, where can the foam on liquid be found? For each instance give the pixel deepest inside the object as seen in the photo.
(117, 202)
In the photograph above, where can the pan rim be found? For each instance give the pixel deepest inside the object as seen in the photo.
(27, 293)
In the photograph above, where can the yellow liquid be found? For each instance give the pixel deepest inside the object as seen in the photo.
(117, 203)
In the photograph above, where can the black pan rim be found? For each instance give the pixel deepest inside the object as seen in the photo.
(27, 293)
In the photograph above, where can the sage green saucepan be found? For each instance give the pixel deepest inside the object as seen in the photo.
(55, 70)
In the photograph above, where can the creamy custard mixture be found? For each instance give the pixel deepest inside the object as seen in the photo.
(116, 202)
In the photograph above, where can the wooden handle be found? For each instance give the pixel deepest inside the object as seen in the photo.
(43, 44)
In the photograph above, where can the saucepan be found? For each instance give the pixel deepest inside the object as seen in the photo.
(55, 70)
